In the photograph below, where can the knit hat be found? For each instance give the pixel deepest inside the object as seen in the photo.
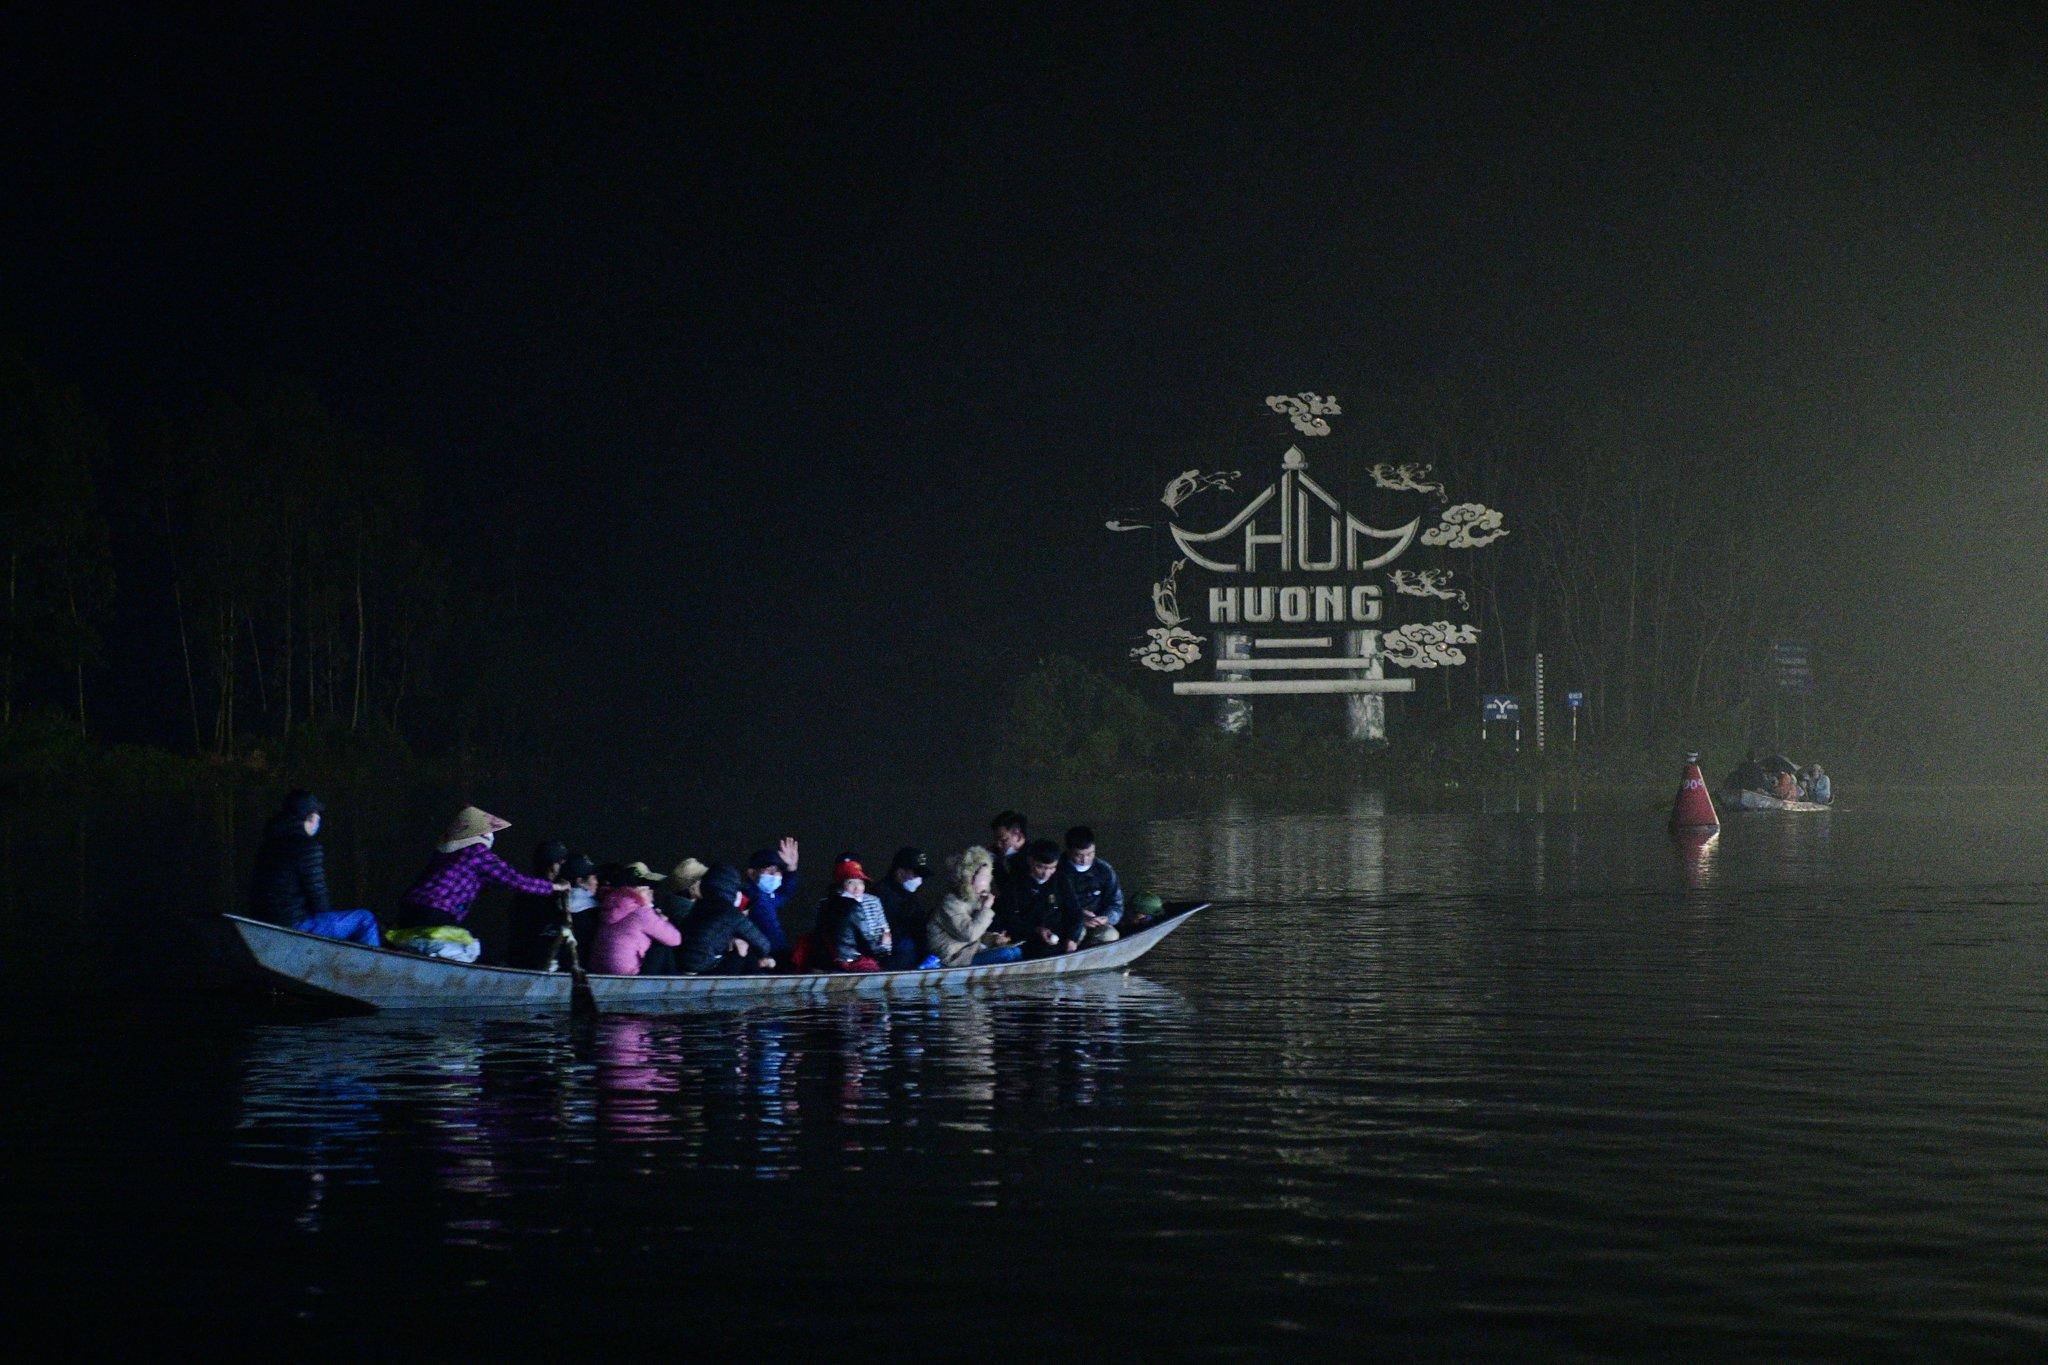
(471, 826)
(552, 852)
(765, 858)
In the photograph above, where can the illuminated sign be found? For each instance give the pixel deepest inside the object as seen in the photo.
(1296, 589)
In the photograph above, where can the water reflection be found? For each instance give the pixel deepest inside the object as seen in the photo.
(489, 1107)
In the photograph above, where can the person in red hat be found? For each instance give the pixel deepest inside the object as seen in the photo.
(851, 925)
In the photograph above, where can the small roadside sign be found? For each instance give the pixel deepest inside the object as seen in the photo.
(1495, 709)
(1575, 699)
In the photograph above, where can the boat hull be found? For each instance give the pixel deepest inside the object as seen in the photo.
(389, 979)
(1747, 800)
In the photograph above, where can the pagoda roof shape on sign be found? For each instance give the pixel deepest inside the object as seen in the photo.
(1306, 512)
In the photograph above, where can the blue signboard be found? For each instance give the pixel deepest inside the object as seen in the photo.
(1495, 709)
(1575, 699)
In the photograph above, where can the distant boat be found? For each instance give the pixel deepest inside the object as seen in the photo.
(1748, 800)
(391, 979)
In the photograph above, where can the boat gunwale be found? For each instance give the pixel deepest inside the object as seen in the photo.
(623, 992)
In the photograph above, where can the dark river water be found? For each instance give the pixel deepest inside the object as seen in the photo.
(1477, 1079)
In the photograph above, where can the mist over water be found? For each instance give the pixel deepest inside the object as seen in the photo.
(1448, 1078)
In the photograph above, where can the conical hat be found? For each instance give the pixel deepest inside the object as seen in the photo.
(471, 823)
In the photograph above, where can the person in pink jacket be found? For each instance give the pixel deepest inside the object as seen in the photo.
(628, 924)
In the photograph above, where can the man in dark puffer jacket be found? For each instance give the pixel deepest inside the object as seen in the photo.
(715, 921)
(289, 885)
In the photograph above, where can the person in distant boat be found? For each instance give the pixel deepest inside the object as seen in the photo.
(718, 937)
(906, 915)
(858, 932)
(962, 932)
(1009, 832)
(1815, 785)
(1749, 774)
(289, 883)
(1028, 910)
(1091, 899)
(770, 883)
(628, 924)
(534, 920)
(462, 863)
(1785, 785)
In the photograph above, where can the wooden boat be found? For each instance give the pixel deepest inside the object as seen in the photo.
(1748, 800)
(390, 979)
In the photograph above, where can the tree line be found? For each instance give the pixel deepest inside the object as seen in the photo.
(288, 566)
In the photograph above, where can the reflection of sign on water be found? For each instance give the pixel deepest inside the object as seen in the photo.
(1297, 605)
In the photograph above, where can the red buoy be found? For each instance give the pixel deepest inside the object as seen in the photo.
(1694, 808)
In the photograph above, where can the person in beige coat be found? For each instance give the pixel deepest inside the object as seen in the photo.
(959, 933)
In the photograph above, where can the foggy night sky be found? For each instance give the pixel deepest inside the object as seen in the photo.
(827, 345)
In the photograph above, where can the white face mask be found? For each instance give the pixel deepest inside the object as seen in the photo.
(912, 883)
(769, 882)
(490, 839)
(313, 823)
(1082, 861)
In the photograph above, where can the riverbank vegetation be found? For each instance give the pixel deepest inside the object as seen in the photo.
(260, 589)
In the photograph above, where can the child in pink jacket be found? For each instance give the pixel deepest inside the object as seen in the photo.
(628, 925)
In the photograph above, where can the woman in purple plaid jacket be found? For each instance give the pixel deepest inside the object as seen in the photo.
(462, 862)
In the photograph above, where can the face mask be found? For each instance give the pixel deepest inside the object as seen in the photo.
(912, 883)
(580, 899)
(769, 882)
(314, 826)
(1083, 864)
(490, 839)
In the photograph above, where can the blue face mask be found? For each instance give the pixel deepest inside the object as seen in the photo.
(769, 882)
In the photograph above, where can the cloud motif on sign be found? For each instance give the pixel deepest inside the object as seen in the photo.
(1427, 644)
(1408, 478)
(1428, 583)
(1466, 526)
(1169, 649)
(1306, 411)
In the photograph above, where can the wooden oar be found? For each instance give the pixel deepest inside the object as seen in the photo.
(582, 1000)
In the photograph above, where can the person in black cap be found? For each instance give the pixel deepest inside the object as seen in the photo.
(906, 914)
(289, 883)
(769, 882)
(533, 918)
(537, 920)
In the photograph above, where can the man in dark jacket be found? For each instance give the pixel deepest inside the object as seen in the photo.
(1029, 910)
(289, 883)
(1009, 832)
(901, 907)
(1089, 891)
(714, 921)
